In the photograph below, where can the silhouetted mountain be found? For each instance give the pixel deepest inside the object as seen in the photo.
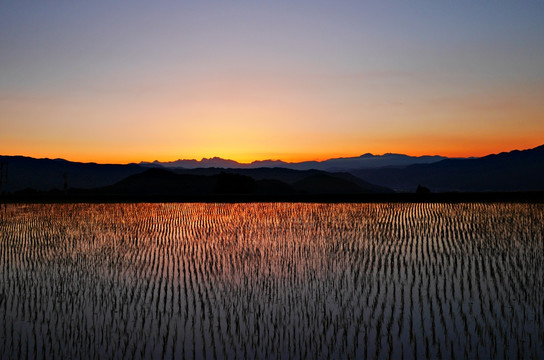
(47, 174)
(281, 174)
(508, 171)
(268, 163)
(512, 171)
(234, 184)
(365, 186)
(290, 176)
(274, 187)
(370, 161)
(366, 161)
(192, 163)
(326, 184)
(162, 182)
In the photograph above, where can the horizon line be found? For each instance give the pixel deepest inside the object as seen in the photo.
(260, 160)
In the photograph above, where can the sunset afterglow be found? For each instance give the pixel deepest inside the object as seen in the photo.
(137, 81)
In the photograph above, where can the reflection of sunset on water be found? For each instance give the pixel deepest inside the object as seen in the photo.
(271, 280)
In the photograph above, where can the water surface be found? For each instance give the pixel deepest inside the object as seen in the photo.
(272, 280)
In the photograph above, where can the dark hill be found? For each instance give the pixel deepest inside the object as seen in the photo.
(274, 187)
(154, 182)
(508, 171)
(326, 184)
(160, 182)
(48, 174)
(234, 184)
(265, 173)
(365, 186)
(289, 176)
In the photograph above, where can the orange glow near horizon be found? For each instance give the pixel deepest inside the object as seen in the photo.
(269, 80)
(477, 150)
(250, 117)
(247, 121)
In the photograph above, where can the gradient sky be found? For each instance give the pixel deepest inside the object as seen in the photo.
(125, 81)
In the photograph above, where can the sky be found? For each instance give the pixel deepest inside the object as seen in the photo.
(130, 81)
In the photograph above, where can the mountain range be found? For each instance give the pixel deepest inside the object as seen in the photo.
(508, 171)
(505, 172)
(163, 182)
(366, 161)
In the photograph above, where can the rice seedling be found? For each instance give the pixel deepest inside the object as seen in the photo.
(272, 280)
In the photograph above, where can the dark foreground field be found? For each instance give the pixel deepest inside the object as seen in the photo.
(272, 280)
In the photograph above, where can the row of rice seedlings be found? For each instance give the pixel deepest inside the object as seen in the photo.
(272, 280)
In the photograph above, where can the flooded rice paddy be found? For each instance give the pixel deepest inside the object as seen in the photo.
(272, 280)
